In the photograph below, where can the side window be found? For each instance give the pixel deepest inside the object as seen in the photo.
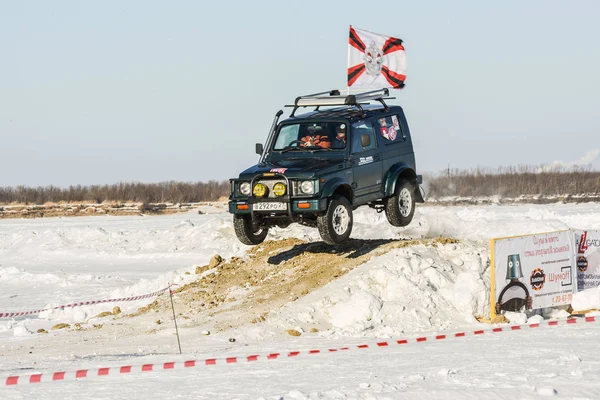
(389, 130)
(287, 133)
(361, 128)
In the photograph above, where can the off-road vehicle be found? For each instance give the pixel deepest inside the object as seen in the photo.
(316, 168)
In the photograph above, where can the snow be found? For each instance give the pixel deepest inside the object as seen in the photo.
(587, 299)
(405, 290)
(419, 289)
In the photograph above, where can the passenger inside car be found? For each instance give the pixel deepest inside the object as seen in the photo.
(339, 141)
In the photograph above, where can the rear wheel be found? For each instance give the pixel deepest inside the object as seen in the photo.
(336, 225)
(400, 208)
(246, 232)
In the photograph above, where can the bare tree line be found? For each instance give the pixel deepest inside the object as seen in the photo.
(514, 182)
(503, 182)
(163, 192)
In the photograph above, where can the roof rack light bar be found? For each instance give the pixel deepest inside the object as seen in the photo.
(334, 98)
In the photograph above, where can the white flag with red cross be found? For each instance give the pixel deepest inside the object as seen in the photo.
(375, 61)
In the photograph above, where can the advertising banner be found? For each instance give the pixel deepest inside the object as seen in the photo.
(532, 272)
(587, 259)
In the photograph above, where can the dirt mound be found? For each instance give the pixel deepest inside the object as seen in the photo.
(243, 291)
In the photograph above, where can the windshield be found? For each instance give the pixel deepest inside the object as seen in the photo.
(311, 135)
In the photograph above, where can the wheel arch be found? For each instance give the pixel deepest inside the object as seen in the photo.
(398, 172)
(337, 187)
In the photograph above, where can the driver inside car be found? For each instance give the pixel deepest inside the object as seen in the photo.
(314, 139)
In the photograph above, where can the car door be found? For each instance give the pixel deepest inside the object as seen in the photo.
(366, 163)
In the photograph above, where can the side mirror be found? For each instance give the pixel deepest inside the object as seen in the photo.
(365, 140)
(259, 148)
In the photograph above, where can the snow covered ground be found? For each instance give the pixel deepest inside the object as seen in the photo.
(403, 293)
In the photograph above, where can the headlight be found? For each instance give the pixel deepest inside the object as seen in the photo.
(259, 190)
(245, 188)
(307, 187)
(279, 189)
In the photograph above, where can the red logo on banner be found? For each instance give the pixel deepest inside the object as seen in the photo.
(582, 246)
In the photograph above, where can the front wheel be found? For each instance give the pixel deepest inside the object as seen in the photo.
(246, 232)
(336, 225)
(400, 208)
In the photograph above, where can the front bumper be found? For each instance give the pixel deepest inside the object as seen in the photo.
(298, 206)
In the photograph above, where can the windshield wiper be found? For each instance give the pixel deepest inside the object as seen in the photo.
(291, 148)
(308, 148)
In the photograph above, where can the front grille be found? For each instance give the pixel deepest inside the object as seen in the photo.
(269, 183)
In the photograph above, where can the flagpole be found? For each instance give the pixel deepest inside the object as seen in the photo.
(347, 65)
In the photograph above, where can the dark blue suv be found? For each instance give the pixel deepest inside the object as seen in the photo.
(316, 168)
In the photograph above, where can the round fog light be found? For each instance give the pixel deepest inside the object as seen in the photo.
(259, 190)
(279, 189)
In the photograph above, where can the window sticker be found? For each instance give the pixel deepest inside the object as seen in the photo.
(391, 133)
(395, 128)
(395, 122)
(383, 129)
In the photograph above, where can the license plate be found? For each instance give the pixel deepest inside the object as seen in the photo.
(271, 206)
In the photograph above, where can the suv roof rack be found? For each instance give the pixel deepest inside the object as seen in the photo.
(334, 98)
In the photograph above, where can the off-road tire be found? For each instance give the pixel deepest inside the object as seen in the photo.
(246, 233)
(335, 226)
(400, 208)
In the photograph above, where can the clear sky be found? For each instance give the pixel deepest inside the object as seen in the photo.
(108, 91)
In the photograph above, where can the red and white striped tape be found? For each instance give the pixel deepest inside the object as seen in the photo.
(164, 366)
(11, 314)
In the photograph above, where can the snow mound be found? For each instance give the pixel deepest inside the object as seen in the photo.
(405, 290)
(587, 299)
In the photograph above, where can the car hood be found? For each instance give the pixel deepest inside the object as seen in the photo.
(295, 168)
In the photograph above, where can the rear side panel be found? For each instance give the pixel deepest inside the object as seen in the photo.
(397, 147)
(395, 143)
